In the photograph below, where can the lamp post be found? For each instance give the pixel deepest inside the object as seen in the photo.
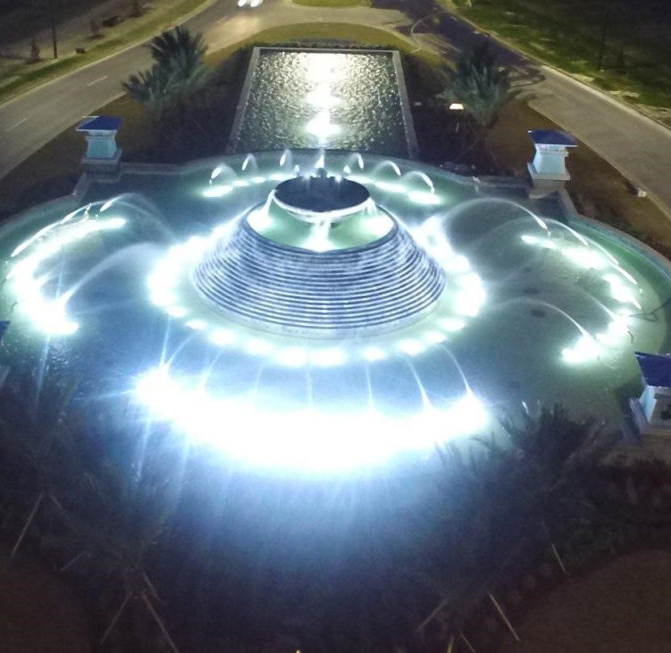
(53, 27)
(604, 29)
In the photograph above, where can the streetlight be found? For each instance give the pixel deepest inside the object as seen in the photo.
(53, 27)
(604, 29)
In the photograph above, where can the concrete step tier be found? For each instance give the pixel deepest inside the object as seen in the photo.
(376, 287)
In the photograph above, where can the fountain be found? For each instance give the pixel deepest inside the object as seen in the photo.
(324, 312)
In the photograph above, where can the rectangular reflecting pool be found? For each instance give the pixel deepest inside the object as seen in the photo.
(345, 100)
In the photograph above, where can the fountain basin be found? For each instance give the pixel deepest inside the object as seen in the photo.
(531, 310)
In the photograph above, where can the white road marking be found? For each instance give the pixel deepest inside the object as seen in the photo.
(16, 124)
(95, 81)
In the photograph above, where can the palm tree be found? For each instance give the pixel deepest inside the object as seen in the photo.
(179, 71)
(151, 88)
(482, 87)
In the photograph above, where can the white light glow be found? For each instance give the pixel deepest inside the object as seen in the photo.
(373, 354)
(217, 190)
(321, 126)
(258, 347)
(196, 325)
(304, 439)
(321, 98)
(390, 187)
(411, 347)
(620, 291)
(585, 350)
(452, 324)
(456, 263)
(223, 337)
(50, 314)
(424, 197)
(176, 311)
(434, 337)
(293, 357)
(328, 357)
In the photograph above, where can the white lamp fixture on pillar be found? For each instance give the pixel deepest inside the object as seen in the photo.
(102, 152)
(548, 168)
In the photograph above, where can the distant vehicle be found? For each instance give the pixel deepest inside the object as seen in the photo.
(249, 3)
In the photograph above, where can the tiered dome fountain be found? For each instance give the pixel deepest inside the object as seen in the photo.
(320, 259)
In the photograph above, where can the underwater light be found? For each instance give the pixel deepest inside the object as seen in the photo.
(424, 197)
(373, 354)
(223, 337)
(585, 350)
(28, 276)
(304, 439)
(218, 190)
(322, 126)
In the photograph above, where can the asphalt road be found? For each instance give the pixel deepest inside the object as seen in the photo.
(30, 120)
(637, 146)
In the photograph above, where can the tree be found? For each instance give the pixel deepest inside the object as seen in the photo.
(135, 8)
(178, 72)
(124, 501)
(482, 87)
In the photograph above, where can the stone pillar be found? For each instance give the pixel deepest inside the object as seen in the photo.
(652, 410)
(548, 169)
(102, 153)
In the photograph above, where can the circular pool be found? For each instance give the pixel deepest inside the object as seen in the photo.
(326, 334)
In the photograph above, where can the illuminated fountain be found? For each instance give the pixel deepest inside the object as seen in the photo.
(320, 259)
(325, 312)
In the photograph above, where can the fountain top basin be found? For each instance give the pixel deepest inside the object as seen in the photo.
(319, 198)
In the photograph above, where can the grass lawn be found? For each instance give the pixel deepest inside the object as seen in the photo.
(567, 34)
(622, 607)
(339, 33)
(131, 30)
